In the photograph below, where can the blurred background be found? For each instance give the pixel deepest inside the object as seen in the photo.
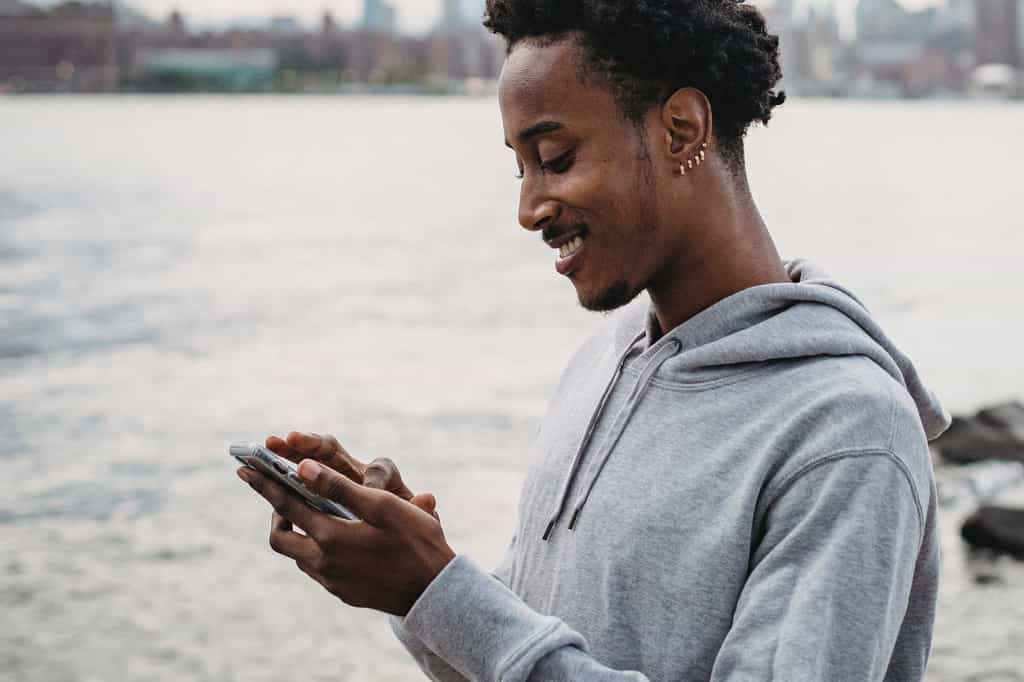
(228, 260)
(865, 48)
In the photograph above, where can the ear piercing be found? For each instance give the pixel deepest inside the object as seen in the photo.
(694, 161)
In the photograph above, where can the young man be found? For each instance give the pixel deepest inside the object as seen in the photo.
(732, 482)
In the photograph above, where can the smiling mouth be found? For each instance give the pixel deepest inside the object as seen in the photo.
(572, 247)
(570, 254)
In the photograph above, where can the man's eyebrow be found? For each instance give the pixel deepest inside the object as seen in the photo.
(542, 128)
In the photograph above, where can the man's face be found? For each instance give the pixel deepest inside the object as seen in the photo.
(585, 169)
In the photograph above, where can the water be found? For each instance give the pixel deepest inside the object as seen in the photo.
(179, 273)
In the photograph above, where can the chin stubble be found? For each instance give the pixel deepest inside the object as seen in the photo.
(615, 296)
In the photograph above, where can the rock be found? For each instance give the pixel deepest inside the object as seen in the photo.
(996, 528)
(994, 433)
(1009, 417)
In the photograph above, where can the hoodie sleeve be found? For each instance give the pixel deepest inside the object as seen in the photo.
(831, 577)
(429, 662)
(433, 666)
(825, 598)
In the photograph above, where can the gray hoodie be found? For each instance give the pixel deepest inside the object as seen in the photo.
(748, 496)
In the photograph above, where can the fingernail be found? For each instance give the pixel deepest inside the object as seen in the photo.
(245, 475)
(309, 470)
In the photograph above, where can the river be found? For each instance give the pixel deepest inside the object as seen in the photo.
(177, 273)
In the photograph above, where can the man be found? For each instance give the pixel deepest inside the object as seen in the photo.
(732, 482)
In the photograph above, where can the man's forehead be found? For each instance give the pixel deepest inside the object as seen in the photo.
(539, 79)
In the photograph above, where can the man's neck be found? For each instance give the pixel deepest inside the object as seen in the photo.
(737, 253)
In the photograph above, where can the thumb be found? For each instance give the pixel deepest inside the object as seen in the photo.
(368, 504)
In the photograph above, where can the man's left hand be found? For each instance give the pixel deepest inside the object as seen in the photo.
(383, 562)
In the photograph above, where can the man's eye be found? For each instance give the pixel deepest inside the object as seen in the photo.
(559, 164)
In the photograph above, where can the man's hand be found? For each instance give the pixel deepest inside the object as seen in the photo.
(381, 473)
(383, 562)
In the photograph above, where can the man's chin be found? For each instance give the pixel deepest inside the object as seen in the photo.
(611, 298)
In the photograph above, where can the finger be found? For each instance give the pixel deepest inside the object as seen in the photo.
(287, 542)
(383, 474)
(376, 507)
(284, 502)
(280, 446)
(328, 450)
(311, 444)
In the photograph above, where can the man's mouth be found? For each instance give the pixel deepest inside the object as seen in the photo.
(572, 247)
(557, 242)
(570, 250)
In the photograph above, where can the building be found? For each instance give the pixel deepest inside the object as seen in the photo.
(9, 8)
(379, 17)
(1020, 33)
(452, 19)
(71, 47)
(239, 70)
(284, 24)
(996, 32)
(881, 21)
(468, 54)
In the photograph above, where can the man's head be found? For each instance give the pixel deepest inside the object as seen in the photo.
(604, 100)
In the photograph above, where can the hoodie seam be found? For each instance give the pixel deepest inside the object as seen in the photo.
(791, 479)
(687, 387)
(892, 418)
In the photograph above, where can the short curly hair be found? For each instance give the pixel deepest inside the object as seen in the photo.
(647, 49)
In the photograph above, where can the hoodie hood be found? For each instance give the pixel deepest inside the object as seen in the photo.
(812, 316)
(758, 324)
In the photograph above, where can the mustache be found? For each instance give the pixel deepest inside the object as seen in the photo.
(554, 231)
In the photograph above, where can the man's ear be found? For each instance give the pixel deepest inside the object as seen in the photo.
(686, 116)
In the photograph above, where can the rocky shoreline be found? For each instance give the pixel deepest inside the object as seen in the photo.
(985, 456)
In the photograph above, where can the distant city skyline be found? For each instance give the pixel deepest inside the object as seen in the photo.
(413, 16)
(963, 48)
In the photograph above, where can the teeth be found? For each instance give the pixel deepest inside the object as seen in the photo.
(571, 248)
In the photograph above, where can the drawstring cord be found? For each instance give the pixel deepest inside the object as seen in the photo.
(587, 435)
(670, 349)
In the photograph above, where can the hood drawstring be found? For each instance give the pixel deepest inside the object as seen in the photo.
(670, 349)
(587, 435)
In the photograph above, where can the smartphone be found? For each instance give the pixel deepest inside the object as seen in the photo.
(287, 474)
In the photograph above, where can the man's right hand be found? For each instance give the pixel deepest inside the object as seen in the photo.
(381, 473)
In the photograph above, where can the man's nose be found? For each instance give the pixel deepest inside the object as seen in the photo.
(534, 214)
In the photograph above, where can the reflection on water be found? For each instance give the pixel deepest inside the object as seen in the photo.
(179, 273)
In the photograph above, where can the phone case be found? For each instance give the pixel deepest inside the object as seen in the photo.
(286, 473)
